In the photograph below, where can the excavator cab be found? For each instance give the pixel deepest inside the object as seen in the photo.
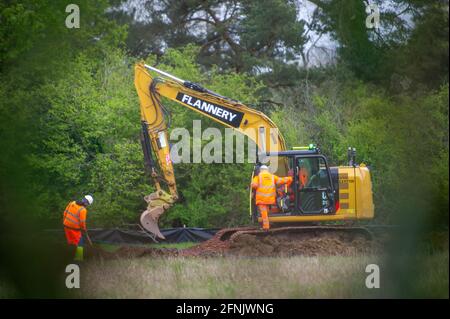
(313, 186)
(312, 191)
(320, 193)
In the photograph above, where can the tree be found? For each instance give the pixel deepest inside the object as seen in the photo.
(241, 35)
(422, 62)
(410, 47)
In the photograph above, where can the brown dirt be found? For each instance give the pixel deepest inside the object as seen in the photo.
(283, 244)
(227, 242)
(218, 245)
(300, 244)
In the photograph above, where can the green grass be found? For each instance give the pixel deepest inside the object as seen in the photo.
(174, 245)
(107, 247)
(112, 248)
(281, 277)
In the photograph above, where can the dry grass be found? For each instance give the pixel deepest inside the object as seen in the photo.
(287, 277)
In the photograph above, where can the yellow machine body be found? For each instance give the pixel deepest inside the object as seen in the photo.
(353, 186)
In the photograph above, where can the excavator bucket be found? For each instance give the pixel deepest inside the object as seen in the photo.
(150, 222)
(158, 202)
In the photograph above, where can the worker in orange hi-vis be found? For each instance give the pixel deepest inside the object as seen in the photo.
(265, 184)
(74, 222)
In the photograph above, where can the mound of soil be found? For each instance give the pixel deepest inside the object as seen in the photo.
(225, 243)
(251, 243)
(218, 245)
(300, 244)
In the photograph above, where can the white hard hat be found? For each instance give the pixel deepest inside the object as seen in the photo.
(89, 199)
(263, 167)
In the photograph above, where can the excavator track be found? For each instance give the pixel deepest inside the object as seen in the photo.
(313, 230)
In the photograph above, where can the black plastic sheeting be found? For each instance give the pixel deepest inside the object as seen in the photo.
(127, 236)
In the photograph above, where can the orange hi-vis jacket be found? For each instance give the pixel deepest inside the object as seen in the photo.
(265, 184)
(75, 216)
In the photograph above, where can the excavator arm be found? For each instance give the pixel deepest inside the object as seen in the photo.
(155, 121)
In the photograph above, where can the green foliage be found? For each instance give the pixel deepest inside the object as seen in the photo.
(345, 19)
(409, 51)
(88, 140)
(59, 87)
(267, 26)
(423, 61)
(34, 33)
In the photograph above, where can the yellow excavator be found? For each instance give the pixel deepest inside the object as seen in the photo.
(319, 193)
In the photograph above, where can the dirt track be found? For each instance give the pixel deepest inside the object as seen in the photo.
(308, 244)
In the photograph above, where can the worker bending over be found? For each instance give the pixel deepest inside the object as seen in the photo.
(74, 222)
(265, 185)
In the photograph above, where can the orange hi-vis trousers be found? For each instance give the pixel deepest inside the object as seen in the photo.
(73, 236)
(264, 211)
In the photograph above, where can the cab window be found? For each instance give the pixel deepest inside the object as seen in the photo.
(312, 173)
(314, 189)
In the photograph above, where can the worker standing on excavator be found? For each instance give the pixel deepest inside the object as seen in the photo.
(265, 184)
(74, 222)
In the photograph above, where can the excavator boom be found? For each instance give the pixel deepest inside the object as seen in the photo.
(155, 118)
